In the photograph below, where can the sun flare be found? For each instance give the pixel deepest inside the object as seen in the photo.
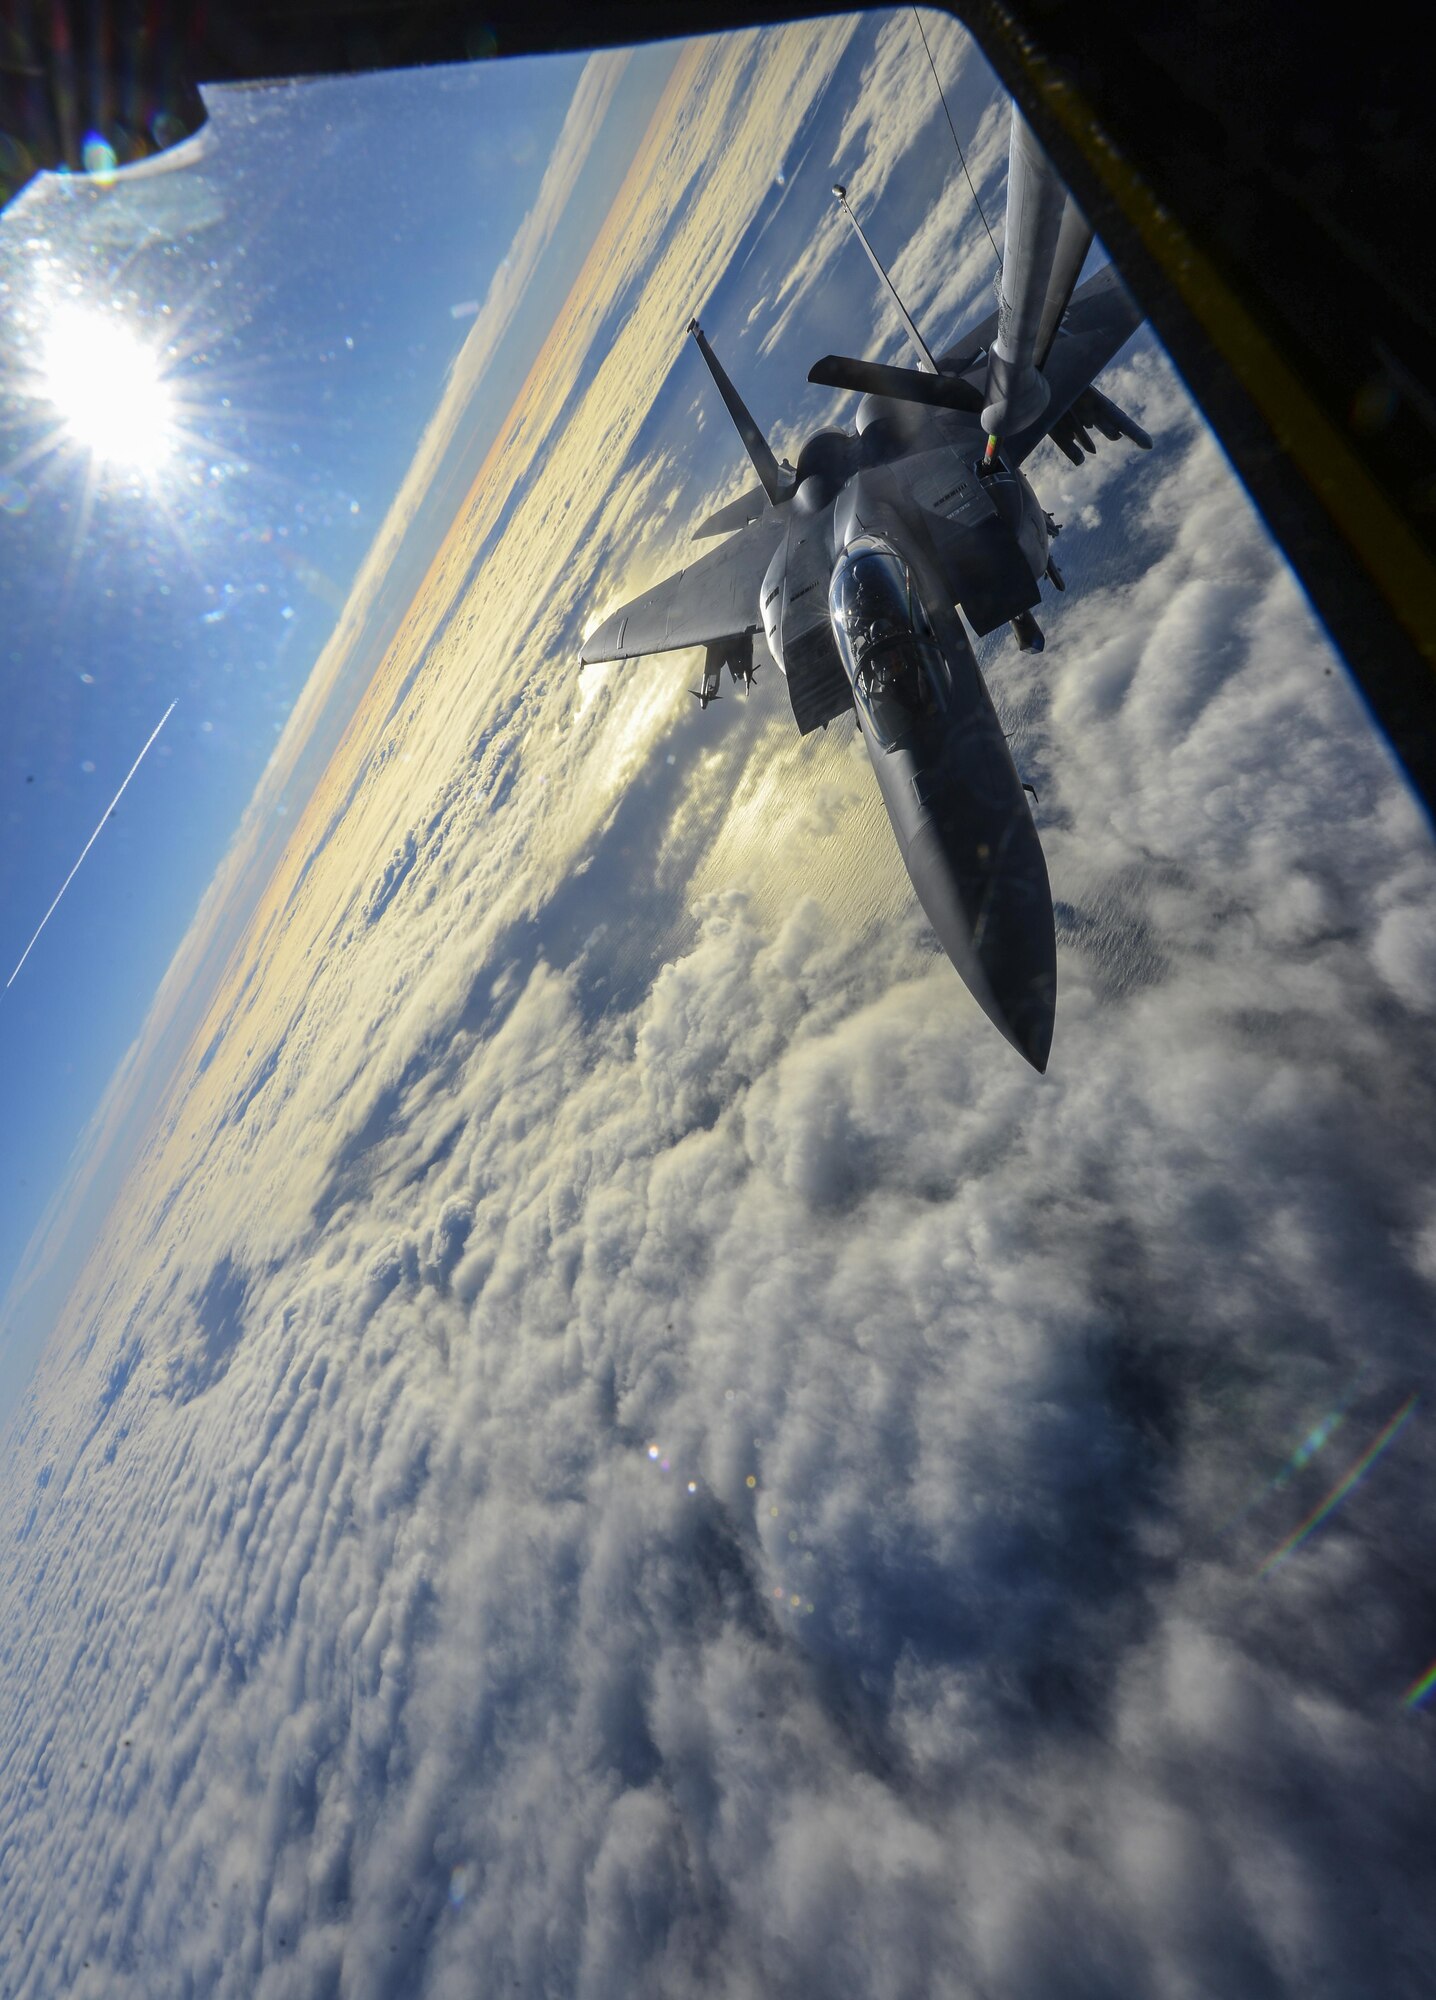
(109, 389)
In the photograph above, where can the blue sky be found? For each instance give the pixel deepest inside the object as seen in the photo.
(321, 260)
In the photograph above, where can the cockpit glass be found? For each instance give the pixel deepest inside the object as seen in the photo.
(885, 643)
(871, 599)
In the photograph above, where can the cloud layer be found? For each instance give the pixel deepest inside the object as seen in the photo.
(618, 1440)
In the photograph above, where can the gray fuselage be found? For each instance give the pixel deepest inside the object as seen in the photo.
(868, 580)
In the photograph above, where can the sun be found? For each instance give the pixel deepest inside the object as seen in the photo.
(108, 388)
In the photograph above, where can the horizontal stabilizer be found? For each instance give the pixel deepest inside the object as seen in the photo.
(904, 385)
(739, 513)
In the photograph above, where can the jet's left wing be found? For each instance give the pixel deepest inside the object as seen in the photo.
(714, 598)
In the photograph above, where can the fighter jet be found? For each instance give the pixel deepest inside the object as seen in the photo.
(855, 563)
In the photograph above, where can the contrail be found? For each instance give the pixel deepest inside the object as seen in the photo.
(90, 843)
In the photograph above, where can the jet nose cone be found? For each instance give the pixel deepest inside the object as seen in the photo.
(986, 892)
(1014, 978)
(1030, 1030)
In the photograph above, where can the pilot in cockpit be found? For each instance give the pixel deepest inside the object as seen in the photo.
(885, 642)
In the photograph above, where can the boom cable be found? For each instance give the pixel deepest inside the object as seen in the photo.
(955, 140)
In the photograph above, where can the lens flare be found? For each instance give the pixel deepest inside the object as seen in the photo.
(1316, 1439)
(99, 158)
(108, 387)
(1339, 1492)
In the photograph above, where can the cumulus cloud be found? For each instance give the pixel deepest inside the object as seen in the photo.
(1404, 949)
(619, 1437)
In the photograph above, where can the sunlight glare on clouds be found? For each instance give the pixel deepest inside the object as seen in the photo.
(109, 388)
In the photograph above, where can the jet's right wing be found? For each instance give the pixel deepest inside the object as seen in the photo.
(714, 598)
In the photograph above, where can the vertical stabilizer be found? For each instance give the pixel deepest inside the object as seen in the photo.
(776, 483)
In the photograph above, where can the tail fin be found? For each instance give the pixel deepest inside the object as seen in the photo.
(777, 487)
